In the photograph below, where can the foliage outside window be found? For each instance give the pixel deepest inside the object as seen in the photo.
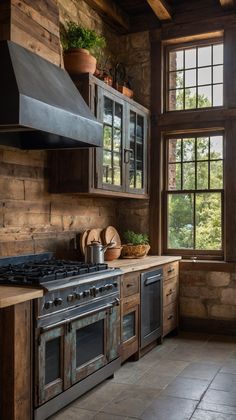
(195, 77)
(195, 193)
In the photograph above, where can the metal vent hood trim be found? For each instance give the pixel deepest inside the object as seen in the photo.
(40, 107)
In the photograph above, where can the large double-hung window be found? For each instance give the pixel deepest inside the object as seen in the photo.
(194, 193)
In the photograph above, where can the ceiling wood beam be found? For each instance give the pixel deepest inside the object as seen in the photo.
(111, 12)
(227, 4)
(161, 9)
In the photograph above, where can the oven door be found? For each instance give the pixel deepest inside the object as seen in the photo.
(52, 369)
(95, 340)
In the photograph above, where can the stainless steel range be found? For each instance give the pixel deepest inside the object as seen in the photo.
(77, 325)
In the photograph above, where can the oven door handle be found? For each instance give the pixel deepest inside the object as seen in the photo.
(95, 311)
(88, 313)
(152, 279)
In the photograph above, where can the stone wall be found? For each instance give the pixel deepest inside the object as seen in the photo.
(207, 297)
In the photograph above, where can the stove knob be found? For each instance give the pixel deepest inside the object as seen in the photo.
(96, 290)
(79, 295)
(48, 304)
(70, 298)
(86, 293)
(102, 289)
(115, 284)
(58, 301)
(92, 291)
(109, 286)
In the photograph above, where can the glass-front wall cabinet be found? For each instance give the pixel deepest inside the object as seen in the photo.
(112, 142)
(136, 151)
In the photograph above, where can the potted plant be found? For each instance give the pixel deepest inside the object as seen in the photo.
(80, 45)
(136, 246)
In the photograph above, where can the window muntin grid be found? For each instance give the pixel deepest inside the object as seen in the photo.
(195, 193)
(195, 77)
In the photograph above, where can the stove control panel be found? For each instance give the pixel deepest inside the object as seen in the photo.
(73, 296)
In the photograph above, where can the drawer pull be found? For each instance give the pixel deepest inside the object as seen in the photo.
(171, 269)
(129, 285)
(170, 317)
(170, 292)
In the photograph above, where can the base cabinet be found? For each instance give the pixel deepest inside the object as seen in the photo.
(170, 297)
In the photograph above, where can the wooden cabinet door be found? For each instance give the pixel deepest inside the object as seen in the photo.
(129, 326)
(136, 150)
(109, 168)
(52, 364)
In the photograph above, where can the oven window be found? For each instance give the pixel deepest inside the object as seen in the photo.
(89, 342)
(52, 360)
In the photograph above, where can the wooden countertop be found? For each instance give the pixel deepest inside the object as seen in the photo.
(136, 264)
(11, 295)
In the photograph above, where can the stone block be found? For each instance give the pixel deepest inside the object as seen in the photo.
(216, 279)
(190, 307)
(223, 311)
(228, 296)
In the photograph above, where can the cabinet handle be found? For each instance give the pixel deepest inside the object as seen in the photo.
(170, 270)
(170, 317)
(129, 285)
(170, 292)
(127, 153)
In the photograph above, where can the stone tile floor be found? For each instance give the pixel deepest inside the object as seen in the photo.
(190, 376)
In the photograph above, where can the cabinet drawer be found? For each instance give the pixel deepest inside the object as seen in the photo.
(130, 284)
(170, 270)
(170, 291)
(170, 318)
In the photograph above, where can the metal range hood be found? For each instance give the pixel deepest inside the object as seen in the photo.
(40, 107)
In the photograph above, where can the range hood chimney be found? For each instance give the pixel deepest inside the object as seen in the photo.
(40, 107)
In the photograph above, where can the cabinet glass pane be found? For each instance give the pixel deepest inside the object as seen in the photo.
(89, 342)
(107, 137)
(136, 145)
(128, 326)
(112, 142)
(108, 111)
(118, 116)
(52, 360)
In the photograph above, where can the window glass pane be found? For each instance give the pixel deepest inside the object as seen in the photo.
(117, 175)
(218, 74)
(202, 148)
(132, 124)
(202, 175)
(180, 221)
(188, 149)
(176, 99)
(204, 96)
(190, 78)
(139, 151)
(174, 177)
(107, 167)
(176, 60)
(108, 111)
(190, 98)
(190, 58)
(176, 79)
(204, 76)
(139, 175)
(216, 180)
(131, 174)
(139, 132)
(216, 147)
(204, 56)
(188, 176)
(128, 326)
(174, 150)
(208, 221)
(118, 115)
(218, 95)
(218, 53)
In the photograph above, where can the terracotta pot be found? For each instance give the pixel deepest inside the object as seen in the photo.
(79, 60)
(112, 253)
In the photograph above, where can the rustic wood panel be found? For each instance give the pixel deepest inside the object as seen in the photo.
(16, 375)
(5, 12)
(229, 68)
(161, 9)
(111, 12)
(227, 4)
(230, 191)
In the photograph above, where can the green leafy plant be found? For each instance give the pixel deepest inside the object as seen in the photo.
(75, 36)
(133, 238)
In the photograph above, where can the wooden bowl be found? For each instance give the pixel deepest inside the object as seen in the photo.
(112, 253)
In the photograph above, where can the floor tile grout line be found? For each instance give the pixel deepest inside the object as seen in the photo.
(202, 396)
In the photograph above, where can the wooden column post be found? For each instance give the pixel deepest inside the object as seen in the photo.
(16, 363)
(156, 173)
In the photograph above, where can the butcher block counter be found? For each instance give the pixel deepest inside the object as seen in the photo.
(138, 264)
(11, 295)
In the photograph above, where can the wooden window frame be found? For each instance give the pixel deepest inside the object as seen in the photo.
(191, 253)
(184, 46)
